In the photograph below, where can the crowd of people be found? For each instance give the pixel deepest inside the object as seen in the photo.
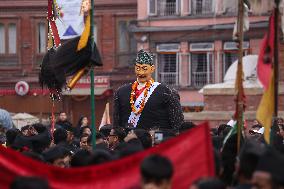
(256, 166)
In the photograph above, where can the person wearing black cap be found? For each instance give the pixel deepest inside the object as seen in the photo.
(269, 173)
(145, 103)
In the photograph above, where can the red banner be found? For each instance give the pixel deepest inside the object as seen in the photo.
(191, 154)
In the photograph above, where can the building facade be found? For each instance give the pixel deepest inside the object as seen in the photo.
(23, 41)
(192, 41)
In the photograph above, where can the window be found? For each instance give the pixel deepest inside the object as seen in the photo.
(168, 64)
(127, 45)
(41, 47)
(202, 65)
(12, 39)
(230, 54)
(163, 7)
(8, 43)
(202, 7)
(123, 36)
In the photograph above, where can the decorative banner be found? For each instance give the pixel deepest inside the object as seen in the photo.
(70, 23)
(191, 154)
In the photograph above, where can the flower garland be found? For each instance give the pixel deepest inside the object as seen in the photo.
(132, 95)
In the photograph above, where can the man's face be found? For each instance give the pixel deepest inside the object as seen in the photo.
(70, 136)
(261, 180)
(144, 72)
(112, 138)
(63, 116)
(85, 121)
(62, 162)
(84, 143)
(87, 131)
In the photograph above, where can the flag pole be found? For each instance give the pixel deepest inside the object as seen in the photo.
(276, 58)
(239, 78)
(93, 117)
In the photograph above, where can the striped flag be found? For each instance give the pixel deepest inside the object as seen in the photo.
(265, 109)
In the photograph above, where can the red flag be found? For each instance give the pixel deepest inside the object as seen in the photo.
(190, 153)
(265, 58)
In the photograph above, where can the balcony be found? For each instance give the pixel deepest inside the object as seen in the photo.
(199, 79)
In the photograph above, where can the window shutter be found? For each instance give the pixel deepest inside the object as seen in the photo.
(207, 6)
(189, 6)
(152, 7)
(156, 66)
(2, 39)
(177, 7)
(178, 68)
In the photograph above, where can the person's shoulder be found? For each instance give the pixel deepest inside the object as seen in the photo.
(124, 87)
(165, 88)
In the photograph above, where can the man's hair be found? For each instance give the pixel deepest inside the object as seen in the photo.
(99, 135)
(105, 130)
(55, 153)
(83, 128)
(80, 158)
(29, 183)
(60, 135)
(249, 156)
(62, 112)
(156, 169)
(11, 135)
(83, 135)
(100, 156)
(120, 133)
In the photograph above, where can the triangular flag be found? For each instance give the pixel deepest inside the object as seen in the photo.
(70, 31)
(106, 118)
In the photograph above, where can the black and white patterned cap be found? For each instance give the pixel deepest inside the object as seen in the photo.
(144, 57)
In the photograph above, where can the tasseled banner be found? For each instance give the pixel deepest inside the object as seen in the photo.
(66, 61)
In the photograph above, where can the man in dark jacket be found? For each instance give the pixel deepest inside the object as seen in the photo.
(146, 103)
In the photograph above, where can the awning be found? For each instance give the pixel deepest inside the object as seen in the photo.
(98, 91)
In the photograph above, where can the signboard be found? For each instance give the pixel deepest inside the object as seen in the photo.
(70, 23)
(83, 86)
(22, 88)
(100, 82)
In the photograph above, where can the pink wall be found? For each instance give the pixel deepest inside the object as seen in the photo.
(218, 61)
(142, 9)
(186, 21)
(255, 45)
(190, 96)
(184, 64)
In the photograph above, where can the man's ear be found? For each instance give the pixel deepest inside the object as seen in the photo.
(152, 68)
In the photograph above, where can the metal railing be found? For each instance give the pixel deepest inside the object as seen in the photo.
(199, 79)
(167, 8)
(199, 8)
(169, 78)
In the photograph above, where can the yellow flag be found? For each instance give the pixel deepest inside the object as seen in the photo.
(85, 35)
(265, 109)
